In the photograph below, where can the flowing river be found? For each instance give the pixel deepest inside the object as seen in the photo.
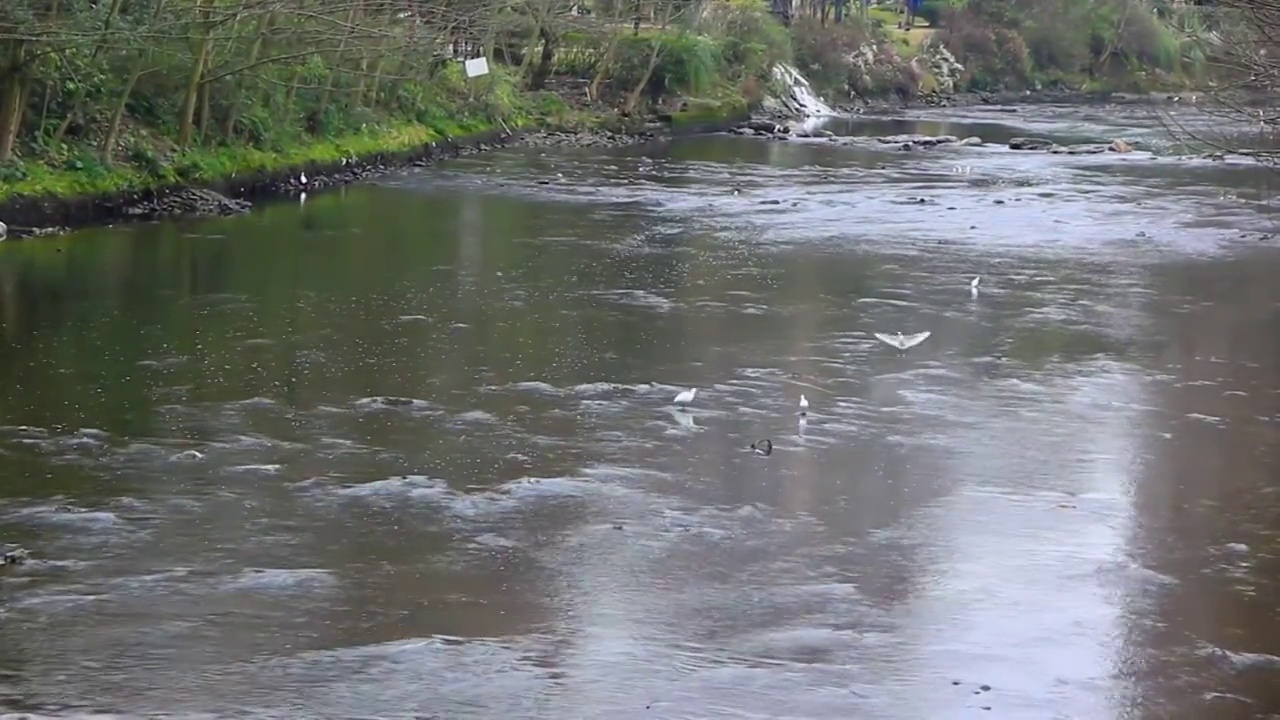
(408, 449)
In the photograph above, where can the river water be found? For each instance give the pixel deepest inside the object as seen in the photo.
(408, 449)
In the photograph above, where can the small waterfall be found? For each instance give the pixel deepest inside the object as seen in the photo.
(799, 98)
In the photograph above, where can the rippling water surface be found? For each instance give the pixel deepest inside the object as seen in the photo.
(408, 450)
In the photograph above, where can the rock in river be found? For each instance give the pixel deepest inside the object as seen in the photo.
(1078, 149)
(14, 556)
(918, 140)
(1021, 143)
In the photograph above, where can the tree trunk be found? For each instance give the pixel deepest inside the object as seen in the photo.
(233, 113)
(543, 71)
(113, 127)
(634, 98)
(139, 69)
(11, 93)
(186, 121)
(333, 72)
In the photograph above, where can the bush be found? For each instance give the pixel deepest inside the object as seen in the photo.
(823, 54)
(992, 57)
(753, 39)
(687, 63)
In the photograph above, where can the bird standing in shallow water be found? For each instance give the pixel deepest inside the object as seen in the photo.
(973, 286)
(804, 405)
(686, 397)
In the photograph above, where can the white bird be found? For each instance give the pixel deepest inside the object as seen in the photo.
(804, 405)
(302, 178)
(903, 342)
(686, 397)
(4, 231)
(973, 285)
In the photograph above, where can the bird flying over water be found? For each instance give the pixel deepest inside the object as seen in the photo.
(903, 342)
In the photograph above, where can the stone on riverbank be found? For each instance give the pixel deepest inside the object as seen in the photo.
(587, 138)
(185, 202)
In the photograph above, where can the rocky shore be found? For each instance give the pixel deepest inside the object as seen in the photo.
(783, 130)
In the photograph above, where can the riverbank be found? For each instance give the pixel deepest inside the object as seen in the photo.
(230, 181)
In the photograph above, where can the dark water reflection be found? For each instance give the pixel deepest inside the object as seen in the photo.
(408, 450)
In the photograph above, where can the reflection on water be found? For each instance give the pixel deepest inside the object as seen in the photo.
(409, 449)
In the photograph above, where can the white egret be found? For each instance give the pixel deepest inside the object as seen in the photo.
(686, 397)
(973, 285)
(804, 405)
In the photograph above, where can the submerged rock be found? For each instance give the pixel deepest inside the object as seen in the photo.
(918, 140)
(1120, 146)
(1031, 144)
(14, 556)
(1078, 149)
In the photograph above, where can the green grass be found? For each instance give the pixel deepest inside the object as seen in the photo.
(704, 112)
(909, 41)
(83, 175)
(209, 165)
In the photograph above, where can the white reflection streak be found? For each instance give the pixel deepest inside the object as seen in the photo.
(470, 234)
(1024, 598)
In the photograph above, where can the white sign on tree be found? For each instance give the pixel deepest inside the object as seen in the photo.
(477, 66)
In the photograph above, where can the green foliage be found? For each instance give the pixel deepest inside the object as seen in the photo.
(701, 113)
(686, 63)
(753, 41)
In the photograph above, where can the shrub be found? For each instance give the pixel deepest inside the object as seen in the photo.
(753, 39)
(827, 55)
(688, 63)
(992, 57)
